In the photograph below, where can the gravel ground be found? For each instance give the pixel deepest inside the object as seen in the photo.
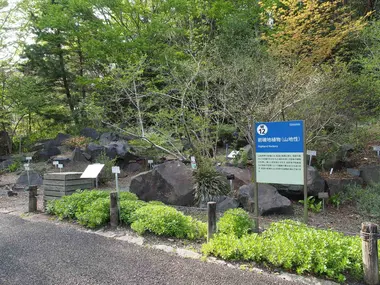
(43, 253)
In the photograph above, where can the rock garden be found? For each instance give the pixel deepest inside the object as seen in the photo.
(169, 198)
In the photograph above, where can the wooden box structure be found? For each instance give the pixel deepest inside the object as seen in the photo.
(57, 185)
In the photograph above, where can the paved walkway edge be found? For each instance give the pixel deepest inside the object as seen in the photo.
(182, 252)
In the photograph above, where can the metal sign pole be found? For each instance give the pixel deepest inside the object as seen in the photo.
(305, 166)
(116, 170)
(27, 173)
(256, 185)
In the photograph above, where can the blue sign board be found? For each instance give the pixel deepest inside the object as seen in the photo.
(279, 137)
(280, 152)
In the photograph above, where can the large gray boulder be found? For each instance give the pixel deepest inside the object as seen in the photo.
(370, 174)
(5, 143)
(79, 156)
(171, 182)
(89, 133)
(338, 185)
(270, 201)
(46, 153)
(342, 158)
(223, 203)
(6, 163)
(107, 138)
(34, 177)
(94, 150)
(315, 184)
(242, 175)
(117, 149)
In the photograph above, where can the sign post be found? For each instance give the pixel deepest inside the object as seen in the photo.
(116, 171)
(27, 168)
(280, 156)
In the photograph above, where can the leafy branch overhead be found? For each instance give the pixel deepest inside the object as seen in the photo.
(177, 74)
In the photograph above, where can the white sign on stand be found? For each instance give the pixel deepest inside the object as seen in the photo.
(60, 166)
(28, 158)
(92, 171)
(233, 154)
(55, 163)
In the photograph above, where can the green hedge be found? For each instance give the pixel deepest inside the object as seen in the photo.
(92, 209)
(295, 247)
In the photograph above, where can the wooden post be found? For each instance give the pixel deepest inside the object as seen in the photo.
(211, 215)
(114, 210)
(370, 255)
(32, 199)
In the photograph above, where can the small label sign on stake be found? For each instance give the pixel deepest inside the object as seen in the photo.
(193, 162)
(311, 153)
(116, 169)
(377, 149)
(323, 196)
(28, 158)
(60, 166)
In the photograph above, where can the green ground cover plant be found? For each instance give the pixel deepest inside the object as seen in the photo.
(92, 209)
(167, 221)
(366, 200)
(294, 247)
(236, 222)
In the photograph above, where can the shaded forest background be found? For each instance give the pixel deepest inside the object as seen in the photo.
(191, 72)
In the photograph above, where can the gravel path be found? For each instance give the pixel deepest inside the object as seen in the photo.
(43, 253)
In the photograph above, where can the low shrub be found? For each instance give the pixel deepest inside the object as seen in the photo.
(77, 142)
(79, 203)
(96, 214)
(296, 247)
(68, 206)
(16, 165)
(235, 222)
(366, 200)
(127, 209)
(167, 221)
(128, 196)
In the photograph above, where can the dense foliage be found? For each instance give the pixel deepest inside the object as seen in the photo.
(179, 73)
(293, 246)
